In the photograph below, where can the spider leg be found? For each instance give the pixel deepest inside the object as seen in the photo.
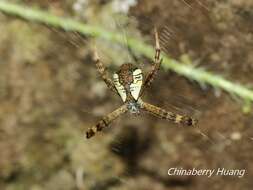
(163, 114)
(156, 65)
(102, 71)
(105, 121)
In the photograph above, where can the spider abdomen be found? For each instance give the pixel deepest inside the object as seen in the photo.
(128, 82)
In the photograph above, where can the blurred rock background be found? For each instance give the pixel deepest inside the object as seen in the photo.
(50, 93)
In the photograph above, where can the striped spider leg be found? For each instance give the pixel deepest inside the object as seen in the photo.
(163, 114)
(102, 71)
(105, 121)
(156, 65)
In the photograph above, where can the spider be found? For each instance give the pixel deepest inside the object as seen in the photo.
(128, 83)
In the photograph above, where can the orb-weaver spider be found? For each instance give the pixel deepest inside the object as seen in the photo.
(128, 83)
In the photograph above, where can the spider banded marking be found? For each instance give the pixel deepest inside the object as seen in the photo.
(120, 88)
(135, 86)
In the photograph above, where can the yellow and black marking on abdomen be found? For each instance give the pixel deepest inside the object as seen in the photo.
(163, 114)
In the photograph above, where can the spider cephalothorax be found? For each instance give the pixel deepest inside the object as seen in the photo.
(130, 84)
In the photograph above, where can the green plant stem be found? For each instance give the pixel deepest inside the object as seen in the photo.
(197, 74)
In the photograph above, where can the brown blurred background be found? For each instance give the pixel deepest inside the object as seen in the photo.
(50, 93)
